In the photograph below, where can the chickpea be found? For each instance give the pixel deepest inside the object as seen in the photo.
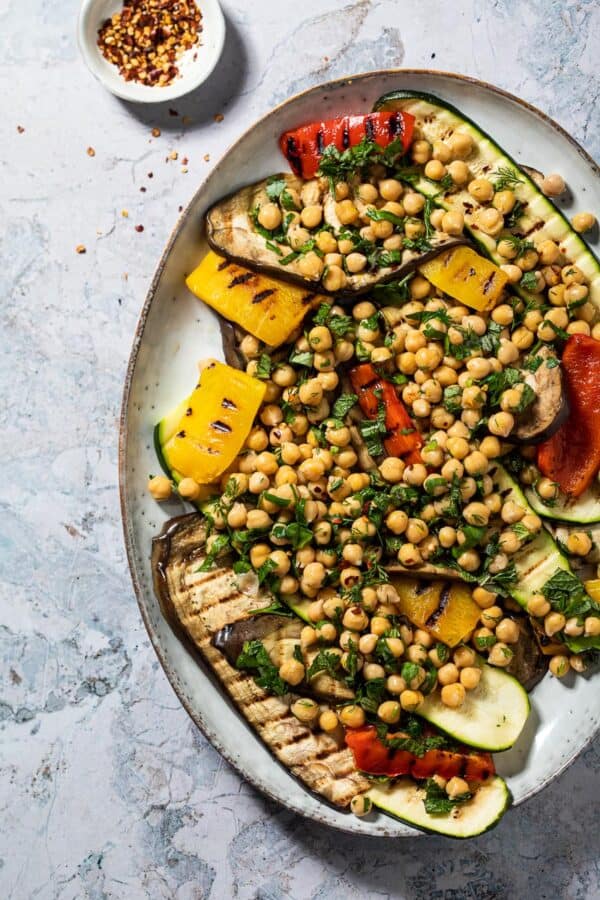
(311, 392)
(372, 671)
(490, 221)
(453, 695)
(409, 555)
(476, 513)
(547, 489)
(500, 655)
(352, 715)
(314, 574)
(458, 447)
(453, 222)
(356, 262)
(512, 512)
(292, 671)
(507, 630)
(334, 279)
(579, 543)
(583, 221)
(346, 212)
(435, 170)
(571, 274)
(460, 144)
(459, 173)
(553, 623)
(481, 189)
(469, 560)
(504, 201)
(269, 216)
(436, 216)
(392, 469)
(413, 203)
(160, 487)
(319, 338)
(457, 787)
(328, 721)
(389, 712)
(501, 424)
(355, 619)
(416, 530)
(361, 805)
(559, 665)
(397, 521)
(592, 626)
(538, 606)
(447, 674)
(326, 243)
(342, 190)
(411, 700)
(553, 185)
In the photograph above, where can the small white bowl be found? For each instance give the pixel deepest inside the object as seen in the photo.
(194, 66)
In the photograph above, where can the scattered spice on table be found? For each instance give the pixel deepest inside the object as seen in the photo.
(139, 228)
(20, 129)
(219, 117)
(80, 248)
(156, 132)
(90, 151)
(147, 37)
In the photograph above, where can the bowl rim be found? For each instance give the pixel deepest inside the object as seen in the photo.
(213, 738)
(169, 92)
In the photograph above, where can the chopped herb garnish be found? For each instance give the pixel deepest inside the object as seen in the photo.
(506, 178)
(264, 366)
(324, 661)
(437, 802)
(220, 543)
(255, 657)
(343, 405)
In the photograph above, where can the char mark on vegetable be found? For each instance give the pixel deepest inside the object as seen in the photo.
(262, 295)
(228, 404)
(241, 279)
(444, 600)
(221, 426)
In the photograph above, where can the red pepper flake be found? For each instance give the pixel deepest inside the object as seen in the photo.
(139, 228)
(184, 161)
(150, 174)
(143, 189)
(90, 151)
(146, 38)
(173, 112)
(20, 129)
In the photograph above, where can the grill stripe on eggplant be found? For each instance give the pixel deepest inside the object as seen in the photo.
(198, 605)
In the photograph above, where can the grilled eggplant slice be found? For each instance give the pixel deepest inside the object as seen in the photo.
(279, 635)
(231, 233)
(550, 408)
(199, 605)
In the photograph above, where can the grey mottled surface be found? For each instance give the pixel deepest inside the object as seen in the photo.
(106, 788)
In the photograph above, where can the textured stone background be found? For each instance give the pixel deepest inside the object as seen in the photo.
(106, 788)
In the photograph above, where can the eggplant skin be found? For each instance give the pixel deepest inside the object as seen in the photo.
(230, 232)
(529, 664)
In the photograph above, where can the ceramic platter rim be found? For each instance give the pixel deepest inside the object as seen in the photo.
(286, 789)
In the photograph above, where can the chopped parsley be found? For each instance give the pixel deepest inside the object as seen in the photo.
(264, 366)
(343, 405)
(506, 178)
(324, 661)
(255, 658)
(220, 543)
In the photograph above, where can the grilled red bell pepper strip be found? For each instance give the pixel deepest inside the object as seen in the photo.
(303, 147)
(403, 438)
(372, 756)
(571, 457)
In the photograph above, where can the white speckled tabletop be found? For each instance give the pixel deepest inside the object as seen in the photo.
(107, 790)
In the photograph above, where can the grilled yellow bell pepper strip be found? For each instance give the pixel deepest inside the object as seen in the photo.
(447, 611)
(466, 276)
(217, 419)
(269, 309)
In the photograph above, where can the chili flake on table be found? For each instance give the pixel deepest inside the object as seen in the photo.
(147, 37)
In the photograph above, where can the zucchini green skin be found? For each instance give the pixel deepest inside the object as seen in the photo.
(445, 117)
(537, 561)
(584, 510)
(404, 800)
(492, 717)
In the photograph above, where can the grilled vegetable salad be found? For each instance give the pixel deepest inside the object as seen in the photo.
(395, 469)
